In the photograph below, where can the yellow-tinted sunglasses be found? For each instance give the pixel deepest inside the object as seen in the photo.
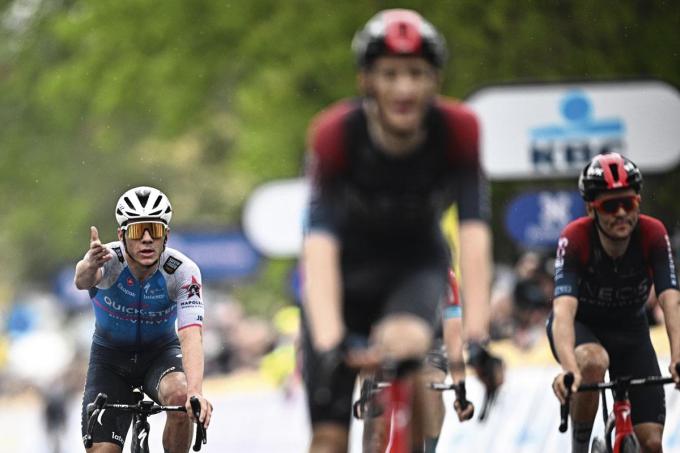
(136, 231)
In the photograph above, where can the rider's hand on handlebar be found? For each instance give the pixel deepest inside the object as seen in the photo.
(489, 368)
(674, 368)
(464, 414)
(206, 409)
(560, 389)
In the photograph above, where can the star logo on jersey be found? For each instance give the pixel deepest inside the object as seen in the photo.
(193, 288)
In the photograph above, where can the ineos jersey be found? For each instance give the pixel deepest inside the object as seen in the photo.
(611, 291)
(135, 315)
(360, 190)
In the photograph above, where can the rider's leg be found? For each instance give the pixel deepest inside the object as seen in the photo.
(402, 337)
(329, 403)
(593, 361)
(329, 437)
(634, 356)
(649, 435)
(178, 429)
(434, 404)
(104, 447)
(103, 376)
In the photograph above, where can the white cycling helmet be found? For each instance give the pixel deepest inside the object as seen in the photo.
(143, 204)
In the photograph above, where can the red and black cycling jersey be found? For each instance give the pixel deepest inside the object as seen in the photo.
(612, 291)
(358, 188)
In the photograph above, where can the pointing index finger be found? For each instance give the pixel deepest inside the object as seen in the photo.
(94, 234)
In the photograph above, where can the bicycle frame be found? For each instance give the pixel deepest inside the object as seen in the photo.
(389, 402)
(395, 400)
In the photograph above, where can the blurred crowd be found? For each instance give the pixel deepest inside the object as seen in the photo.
(45, 340)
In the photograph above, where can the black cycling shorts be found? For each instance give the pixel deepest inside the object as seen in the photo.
(116, 373)
(631, 353)
(412, 290)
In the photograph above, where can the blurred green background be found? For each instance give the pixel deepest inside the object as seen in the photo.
(205, 99)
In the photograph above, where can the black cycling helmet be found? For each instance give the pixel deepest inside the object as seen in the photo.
(399, 32)
(609, 171)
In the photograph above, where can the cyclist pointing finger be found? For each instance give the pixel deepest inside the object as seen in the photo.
(140, 289)
(607, 264)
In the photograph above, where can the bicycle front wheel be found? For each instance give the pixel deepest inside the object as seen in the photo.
(598, 446)
(630, 444)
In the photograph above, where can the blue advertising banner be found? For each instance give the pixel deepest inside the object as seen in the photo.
(220, 255)
(536, 219)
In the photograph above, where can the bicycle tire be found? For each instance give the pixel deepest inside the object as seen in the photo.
(598, 446)
(630, 444)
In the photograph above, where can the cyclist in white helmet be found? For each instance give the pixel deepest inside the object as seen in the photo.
(140, 289)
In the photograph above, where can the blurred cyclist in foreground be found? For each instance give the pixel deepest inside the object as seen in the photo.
(607, 264)
(383, 168)
(139, 288)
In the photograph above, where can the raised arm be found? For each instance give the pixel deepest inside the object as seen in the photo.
(89, 270)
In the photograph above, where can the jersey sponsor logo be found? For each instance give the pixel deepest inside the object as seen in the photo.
(191, 303)
(137, 313)
(562, 289)
(153, 293)
(126, 291)
(562, 244)
(615, 297)
(130, 281)
(117, 437)
(119, 253)
(193, 288)
(171, 265)
(671, 262)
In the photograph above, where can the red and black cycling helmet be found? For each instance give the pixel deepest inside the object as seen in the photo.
(399, 32)
(609, 171)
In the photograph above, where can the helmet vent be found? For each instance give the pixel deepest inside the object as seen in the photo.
(614, 169)
(129, 203)
(143, 198)
(158, 201)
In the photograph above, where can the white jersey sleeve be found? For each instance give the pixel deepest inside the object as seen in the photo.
(184, 287)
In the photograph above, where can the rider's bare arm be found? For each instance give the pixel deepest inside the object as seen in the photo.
(670, 304)
(453, 339)
(475, 265)
(322, 289)
(564, 308)
(191, 341)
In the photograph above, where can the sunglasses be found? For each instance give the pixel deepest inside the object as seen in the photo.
(612, 205)
(136, 231)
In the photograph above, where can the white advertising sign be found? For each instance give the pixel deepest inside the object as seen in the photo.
(552, 130)
(273, 215)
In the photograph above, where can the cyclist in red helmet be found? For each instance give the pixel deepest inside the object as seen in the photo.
(607, 264)
(383, 168)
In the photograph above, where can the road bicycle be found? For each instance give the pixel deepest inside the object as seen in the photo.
(385, 406)
(618, 420)
(141, 410)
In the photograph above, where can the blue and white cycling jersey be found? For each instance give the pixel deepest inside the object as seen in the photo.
(132, 314)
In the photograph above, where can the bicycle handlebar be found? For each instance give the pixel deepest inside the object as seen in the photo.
(461, 392)
(201, 433)
(622, 382)
(564, 408)
(144, 408)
